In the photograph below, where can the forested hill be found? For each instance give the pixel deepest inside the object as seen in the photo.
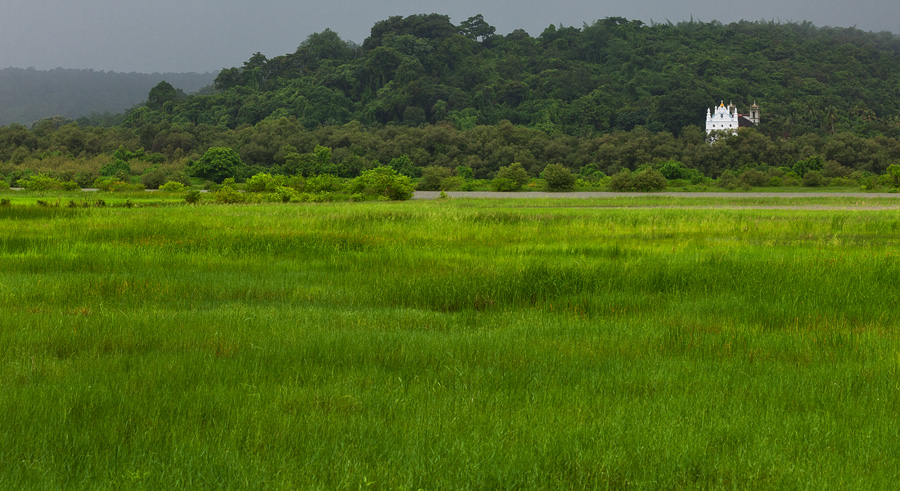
(27, 95)
(614, 74)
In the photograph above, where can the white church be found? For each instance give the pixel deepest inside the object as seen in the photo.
(727, 118)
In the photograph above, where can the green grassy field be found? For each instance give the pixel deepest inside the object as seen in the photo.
(448, 344)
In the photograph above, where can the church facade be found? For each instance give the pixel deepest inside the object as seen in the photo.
(727, 119)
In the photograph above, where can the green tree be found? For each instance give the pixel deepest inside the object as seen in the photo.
(558, 178)
(218, 164)
(160, 94)
(476, 27)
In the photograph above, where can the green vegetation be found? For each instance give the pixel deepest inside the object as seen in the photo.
(422, 93)
(447, 344)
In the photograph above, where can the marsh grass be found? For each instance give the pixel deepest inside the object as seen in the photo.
(448, 345)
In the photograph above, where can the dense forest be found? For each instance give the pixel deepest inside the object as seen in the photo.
(27, 95)
(616, 94)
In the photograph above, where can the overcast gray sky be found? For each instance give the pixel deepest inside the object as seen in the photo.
(208, 35)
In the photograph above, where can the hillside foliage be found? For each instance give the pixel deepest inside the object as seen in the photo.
(420, 92)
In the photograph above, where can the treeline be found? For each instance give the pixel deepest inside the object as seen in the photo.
(99, 97)
(67, 150)
(422, 93)
(613, 75)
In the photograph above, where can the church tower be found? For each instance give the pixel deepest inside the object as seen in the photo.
(754, 113)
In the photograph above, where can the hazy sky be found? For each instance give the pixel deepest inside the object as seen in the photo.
(208, 35)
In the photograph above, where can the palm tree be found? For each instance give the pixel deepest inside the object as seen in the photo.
(831, 115)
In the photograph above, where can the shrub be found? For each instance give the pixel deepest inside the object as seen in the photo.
(111, 184)
(85, 179)
(432, 177)
(192, 197)
(504, 184)
(268, 183)
(728, 181)
(172, 186)
(452, 183)
(382, 181)
(227, 194)
(260, 183)
(752, 177)
(813, 179)
(284, 194)
(40, 182)
(323, 183)
(464, 172)
(514, 172)
(648, 179)
(813, 163)
(621, 181)
(674, 169)
(4, 186)
(558, 178)
(154, 178)
(5, 202)
(893, 172)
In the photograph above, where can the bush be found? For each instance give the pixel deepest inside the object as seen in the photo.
(673, 169)
(514, 172)
(648, 180)
(893, 173)
(751, 177)
(193, 196)
(323, 183)
(85, 179)
(227, 194)
(558, 178)
(284, 194)
(172, 187)
(382, 181)
(504, 184)
(464, 172)
(452, 183)
(728, 181)
(261, 183)
(813, 179)
(40, 182)
(4, 186)
(621, 181)
(432, 177)
(111, 184)
(813, 163)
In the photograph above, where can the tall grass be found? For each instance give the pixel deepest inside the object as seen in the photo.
(448, 345)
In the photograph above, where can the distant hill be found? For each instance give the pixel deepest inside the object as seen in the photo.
(27, 95)
(612, 75)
